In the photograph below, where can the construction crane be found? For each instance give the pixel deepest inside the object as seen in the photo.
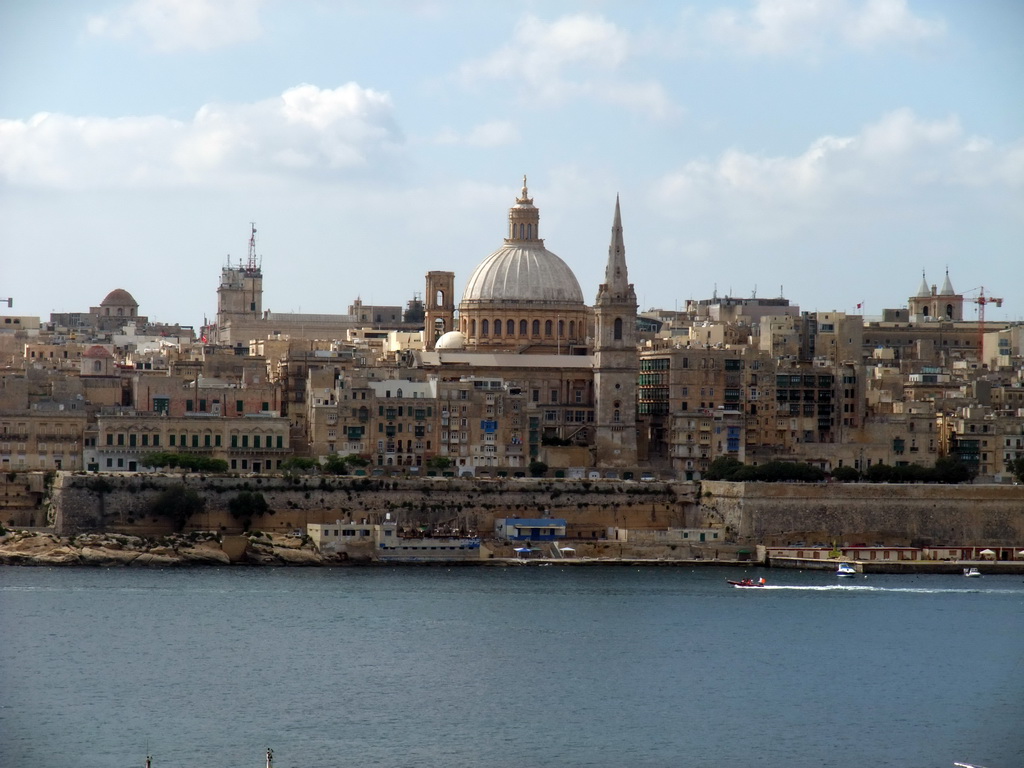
(981, 300)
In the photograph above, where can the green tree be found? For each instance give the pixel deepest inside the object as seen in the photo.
(439, 463)
(177, 504)
(335, 465)
(247, 505)
(845, 475)
(723, 468)
(949, 469)
(1016, 466)
(879, 473)
(190, 461)
(538, 469)
(298, 464)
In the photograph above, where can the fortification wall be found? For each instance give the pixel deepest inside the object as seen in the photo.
(110, 502)
(870, 513)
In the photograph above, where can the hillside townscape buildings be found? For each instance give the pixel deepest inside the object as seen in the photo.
(527, 367)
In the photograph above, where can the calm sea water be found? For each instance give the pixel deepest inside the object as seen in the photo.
(552, 666)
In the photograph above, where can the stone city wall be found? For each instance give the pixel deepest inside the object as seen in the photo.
(867, 513)
(110, 502)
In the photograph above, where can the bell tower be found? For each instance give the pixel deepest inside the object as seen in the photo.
(615, 359)
(240, 293)
(439, 307)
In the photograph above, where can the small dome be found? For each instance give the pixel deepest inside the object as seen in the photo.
(97, 351)
(523, 272)
(451, 340)
(119, 297)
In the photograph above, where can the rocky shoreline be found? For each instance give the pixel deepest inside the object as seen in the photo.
(32, 548)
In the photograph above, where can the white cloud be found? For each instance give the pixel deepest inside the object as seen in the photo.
(900, 160)
(799, 27)
(171, 25)
(307, 130)
(496, 133)
(576, 56)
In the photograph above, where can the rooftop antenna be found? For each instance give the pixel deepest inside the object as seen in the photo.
(251, 263)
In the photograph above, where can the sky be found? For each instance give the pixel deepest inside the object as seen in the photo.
(825, 150)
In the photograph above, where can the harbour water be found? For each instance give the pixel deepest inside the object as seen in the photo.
(527, 666)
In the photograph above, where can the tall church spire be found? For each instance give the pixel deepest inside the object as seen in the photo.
(615, 275)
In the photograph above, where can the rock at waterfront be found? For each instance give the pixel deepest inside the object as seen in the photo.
(204, 554)
(105, 556)
(296, 556)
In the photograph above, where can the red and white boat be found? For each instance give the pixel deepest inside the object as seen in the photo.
(742, 584)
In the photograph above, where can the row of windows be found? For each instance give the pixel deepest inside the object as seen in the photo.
(184, 441)
(392, 412)
(486, 328)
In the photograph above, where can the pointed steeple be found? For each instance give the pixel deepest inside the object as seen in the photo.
(924, 290)
(616, 278)
(615, 273)
(947, 287)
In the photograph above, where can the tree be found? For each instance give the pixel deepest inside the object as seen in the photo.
(538, 469)
(845, 475)
(299, 464)
(335, 465)
(1016, 466)
(439, 463)
(246, 505)
(190, 461)
(949, 469)
(177, 504)
(723, 468)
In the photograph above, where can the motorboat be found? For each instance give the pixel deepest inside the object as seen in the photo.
(972, 573)
(846, 569)
(746, 583)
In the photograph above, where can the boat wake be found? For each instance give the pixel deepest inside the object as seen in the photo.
(867, 588)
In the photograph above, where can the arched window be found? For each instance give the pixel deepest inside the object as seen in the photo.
(472, 328)
(572, 329)
(529, 231)
(484, 327)
(617, 333)
(497, 327)
(522, 327)
(97, 366)
(547, 328)
(536, 327)
(616, 417)
(120, 312)
(561, 329)
(399, 393)
(439, 299)
(926, 312)
(949, 311)
(510, 328)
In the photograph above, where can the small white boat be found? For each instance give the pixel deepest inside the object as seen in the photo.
(845, 569)
(972, 573)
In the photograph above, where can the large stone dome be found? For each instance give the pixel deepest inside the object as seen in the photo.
(523, 297)
(119, 297)
(523, 272)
